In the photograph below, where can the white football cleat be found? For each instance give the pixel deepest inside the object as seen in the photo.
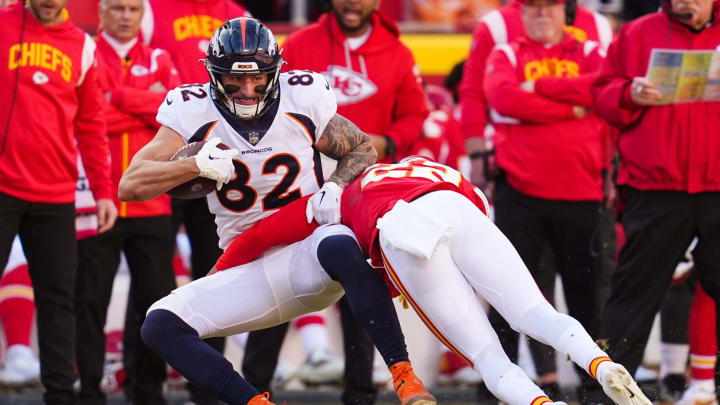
(21, 367)
(697, 394)
(323, 366)
(619, 385)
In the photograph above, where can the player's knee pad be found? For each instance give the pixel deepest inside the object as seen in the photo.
(336, 252)
(162, 327)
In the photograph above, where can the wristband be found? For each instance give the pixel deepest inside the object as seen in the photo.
(390, 148)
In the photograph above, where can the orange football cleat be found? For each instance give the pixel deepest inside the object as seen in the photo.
(261, 399)
(408, 386)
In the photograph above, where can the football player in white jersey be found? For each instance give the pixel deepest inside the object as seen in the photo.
(276, 125)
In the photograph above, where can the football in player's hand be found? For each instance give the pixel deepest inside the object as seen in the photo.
(199, 186)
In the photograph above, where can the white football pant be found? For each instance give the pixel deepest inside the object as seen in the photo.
(283, 284)
(477, 259)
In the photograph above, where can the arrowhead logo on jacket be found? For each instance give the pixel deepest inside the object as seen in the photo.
(349, 86)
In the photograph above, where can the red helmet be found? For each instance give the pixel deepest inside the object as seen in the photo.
(570, 9)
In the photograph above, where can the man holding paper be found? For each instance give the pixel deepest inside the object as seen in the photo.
(669, 170)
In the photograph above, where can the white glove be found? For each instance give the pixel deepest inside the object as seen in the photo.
(324, 205)
(215, 163)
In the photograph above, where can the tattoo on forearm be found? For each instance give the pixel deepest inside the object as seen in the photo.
(350, 146)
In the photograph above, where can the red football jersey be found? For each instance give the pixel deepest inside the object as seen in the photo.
(184, 28)
(377, 190)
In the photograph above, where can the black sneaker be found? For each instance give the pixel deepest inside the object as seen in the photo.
(673, 386)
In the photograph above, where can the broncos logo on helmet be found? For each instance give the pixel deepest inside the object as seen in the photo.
(244, 46)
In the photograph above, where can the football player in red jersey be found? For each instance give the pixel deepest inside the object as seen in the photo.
(426, 225)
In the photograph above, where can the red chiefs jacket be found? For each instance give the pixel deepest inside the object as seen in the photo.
(130, 115)
(545, 151)
(668, 147)
(503, 26)
(184, 28)
(51, 101)
(377, 85)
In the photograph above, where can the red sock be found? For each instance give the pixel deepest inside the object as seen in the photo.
(309, 319)
(17, 306)
(181, 274)
(703, 345)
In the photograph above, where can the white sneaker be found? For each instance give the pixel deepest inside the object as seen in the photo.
(21, 367)
(323, 366)
(284, 372)
(381, 377)
(696, 394)
(619, 385)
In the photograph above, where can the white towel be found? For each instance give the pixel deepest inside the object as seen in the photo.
(409, 229)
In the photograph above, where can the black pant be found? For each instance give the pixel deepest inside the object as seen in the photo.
(569, 227)
(202, 232)
(263, 347)
(659, 226)
(47, 233)
(147, 244)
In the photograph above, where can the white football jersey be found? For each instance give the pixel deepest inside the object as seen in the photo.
(277, 163)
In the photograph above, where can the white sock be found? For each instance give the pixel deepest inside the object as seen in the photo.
(314, 336)
(674, 358)
(704, 385)
(240, 339)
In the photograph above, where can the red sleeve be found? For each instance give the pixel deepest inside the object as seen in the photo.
(168, 75)
(410, 109)
(284, 227)
(574, 91)
(118, 121)
(144, 103)
(506, 97)
(611, 89)
(141, 103)
(472, 95)
(91, 137)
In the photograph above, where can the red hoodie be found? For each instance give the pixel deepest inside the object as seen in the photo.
(56, 103)
(184, 28)
(503, 26)
(665, 147)
(545, 151)
(377, 85)
(130, 116)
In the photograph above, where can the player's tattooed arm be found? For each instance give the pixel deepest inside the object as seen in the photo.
(344, 141)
